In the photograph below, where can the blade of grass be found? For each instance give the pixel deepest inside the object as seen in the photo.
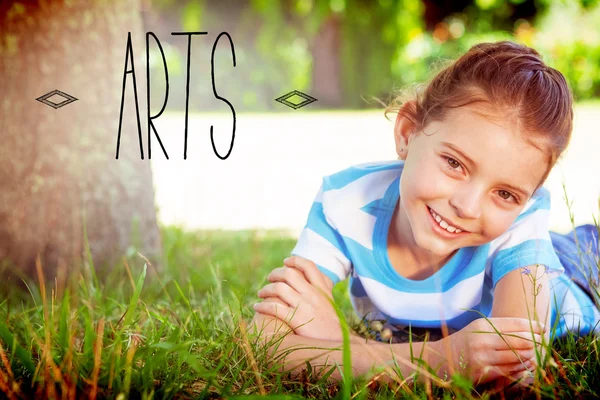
(93, 279)
(128, 368)
(248, 351)
(17, 350)
(134, 299)
(63, 326)
(97, 359)
(346, 357)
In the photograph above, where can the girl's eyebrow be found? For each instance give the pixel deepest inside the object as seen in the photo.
(463, 155)
(460, 153)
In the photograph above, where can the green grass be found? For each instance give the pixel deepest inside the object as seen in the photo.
(177, 334)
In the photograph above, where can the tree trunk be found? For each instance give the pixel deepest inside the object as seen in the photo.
(58, 166)
(327, 73)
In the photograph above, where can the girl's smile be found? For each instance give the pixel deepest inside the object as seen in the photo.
(444, 228)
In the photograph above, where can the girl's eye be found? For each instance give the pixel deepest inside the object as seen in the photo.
(506, 195)
(452, 163)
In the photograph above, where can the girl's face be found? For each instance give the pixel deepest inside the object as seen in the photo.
(475, 175)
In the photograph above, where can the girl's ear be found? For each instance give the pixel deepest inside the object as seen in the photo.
(404, 128)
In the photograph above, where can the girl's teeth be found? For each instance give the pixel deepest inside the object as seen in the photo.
(444, 224)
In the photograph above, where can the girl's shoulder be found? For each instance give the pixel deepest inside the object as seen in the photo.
(538, 203)
(342, 178)
(527, 241)
(379, 165)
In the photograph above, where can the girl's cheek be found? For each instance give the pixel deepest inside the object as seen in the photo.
(426, 178)
(435, 181)
(505, 221)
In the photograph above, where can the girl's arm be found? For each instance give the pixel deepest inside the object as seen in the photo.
(487, 355)
(524, 293)
(268, 325)
(366, 355)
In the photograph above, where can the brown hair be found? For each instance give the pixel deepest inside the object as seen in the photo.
(514, 84)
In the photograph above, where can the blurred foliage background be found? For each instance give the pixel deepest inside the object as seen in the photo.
(345, 52)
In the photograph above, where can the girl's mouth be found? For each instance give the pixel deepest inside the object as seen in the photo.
(442, 228)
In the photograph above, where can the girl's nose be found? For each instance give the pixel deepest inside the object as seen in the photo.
(467, 202)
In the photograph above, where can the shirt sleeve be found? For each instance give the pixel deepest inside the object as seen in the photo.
(527, 242)
(321, 243)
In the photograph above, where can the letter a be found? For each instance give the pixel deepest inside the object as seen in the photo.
(129, 53)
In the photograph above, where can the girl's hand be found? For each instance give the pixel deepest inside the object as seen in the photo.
(481, 354)
(515, 383)
(307, 294)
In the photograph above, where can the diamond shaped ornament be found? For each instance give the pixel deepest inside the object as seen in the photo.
(46, 99)
(285, 99)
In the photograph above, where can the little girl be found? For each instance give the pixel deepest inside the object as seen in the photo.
(454, 230)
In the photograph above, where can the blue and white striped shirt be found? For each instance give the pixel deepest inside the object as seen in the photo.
(346, 236)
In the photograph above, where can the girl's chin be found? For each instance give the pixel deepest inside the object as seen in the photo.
(439, 250)
(444, 253)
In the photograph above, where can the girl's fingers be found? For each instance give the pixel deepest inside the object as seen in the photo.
(519, 367)
(294, 278)
(274, 300)
(281, 290)
(281, 312)
(329, 283)
(490, 373)
(510, 324)
(508, 371)
(276, 310)
(514, 341)
(308, 268)
(505, 357)
(310, 271)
